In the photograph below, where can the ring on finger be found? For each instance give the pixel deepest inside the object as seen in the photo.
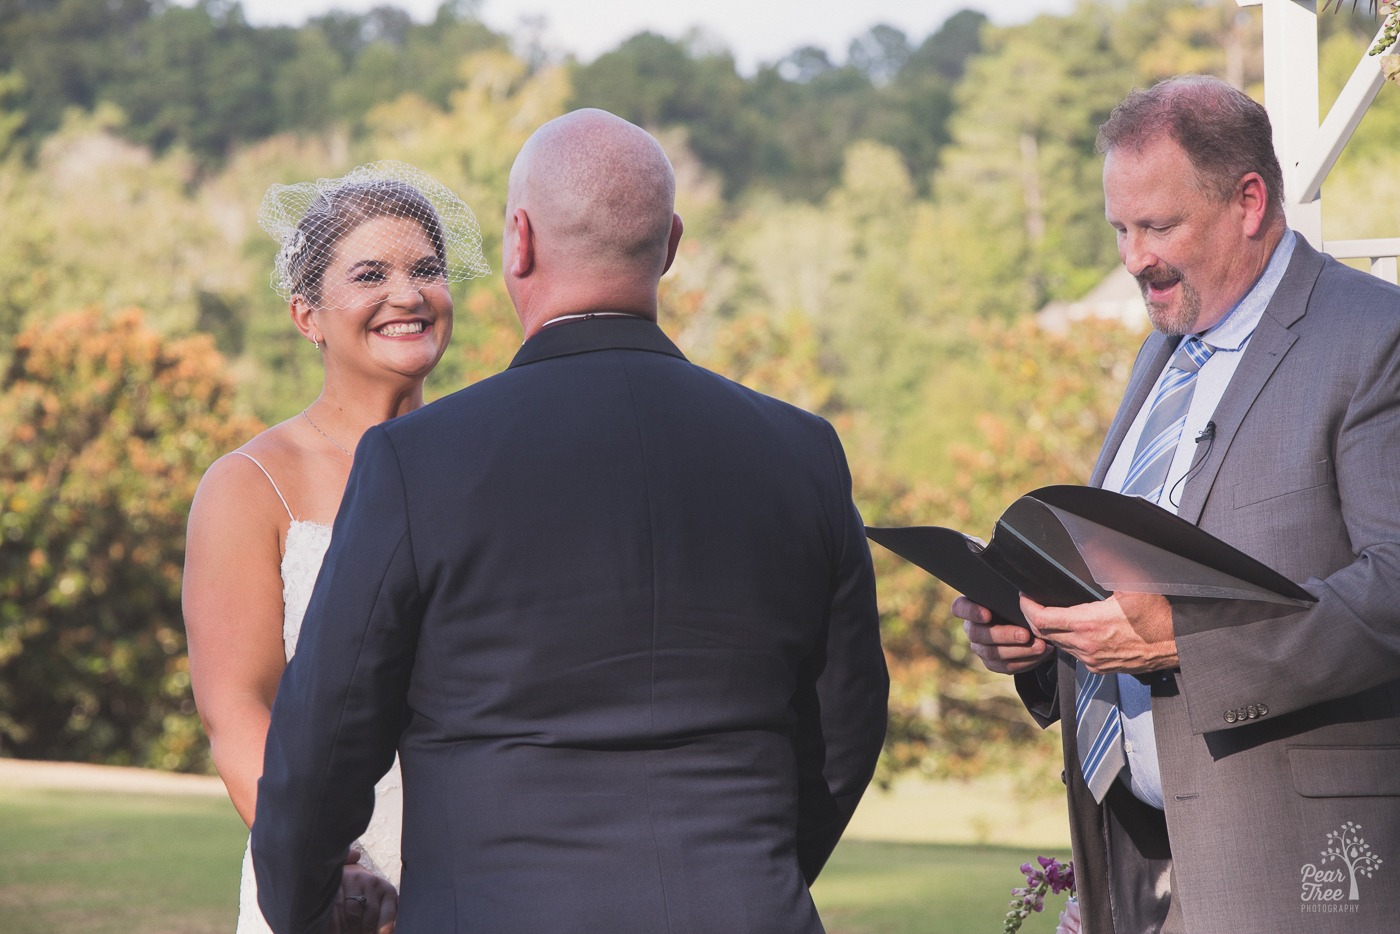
(357, 898)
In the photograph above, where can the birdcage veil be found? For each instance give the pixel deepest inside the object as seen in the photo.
(309, 220)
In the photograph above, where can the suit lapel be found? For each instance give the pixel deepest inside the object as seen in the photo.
(1272, 339)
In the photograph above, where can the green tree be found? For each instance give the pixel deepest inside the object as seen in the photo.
(1020, 183)
(199, 77)
(105, 429)
(877, 327)
(1209, 37)
(1056, 396)
(658, 82)
(810, 111)
(68, 52)
(302, 90)
(106, 223)
(880, 53)
(386, 56)
(915, 107)
(12, 115)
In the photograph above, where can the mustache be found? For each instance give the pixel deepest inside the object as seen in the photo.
(1158, 276)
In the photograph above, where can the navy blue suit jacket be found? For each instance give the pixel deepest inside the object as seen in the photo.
(617, 616)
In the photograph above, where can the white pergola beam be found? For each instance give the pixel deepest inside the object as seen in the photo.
(1291, 96)
(1307, 151)
(1358, 249)
(1346, 113)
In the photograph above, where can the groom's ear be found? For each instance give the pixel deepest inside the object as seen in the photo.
(673, 241)
(520, 254)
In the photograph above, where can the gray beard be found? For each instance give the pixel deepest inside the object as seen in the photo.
(1183, 321)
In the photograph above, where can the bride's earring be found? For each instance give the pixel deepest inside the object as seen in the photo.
(315, 342)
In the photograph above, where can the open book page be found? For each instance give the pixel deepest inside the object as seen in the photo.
(1065, 545)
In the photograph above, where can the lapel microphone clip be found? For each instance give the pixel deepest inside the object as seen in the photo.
(1206, 434)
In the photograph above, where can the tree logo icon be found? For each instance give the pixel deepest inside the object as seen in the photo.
(1346, 846)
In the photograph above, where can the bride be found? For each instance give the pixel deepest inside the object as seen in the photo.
(364, 263)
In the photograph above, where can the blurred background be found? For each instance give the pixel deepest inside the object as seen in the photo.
(899, 227)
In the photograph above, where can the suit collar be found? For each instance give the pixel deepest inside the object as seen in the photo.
(1290, 300)
(593, 334)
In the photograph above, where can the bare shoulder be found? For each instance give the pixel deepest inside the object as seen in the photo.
(279, 468)
(244, 486)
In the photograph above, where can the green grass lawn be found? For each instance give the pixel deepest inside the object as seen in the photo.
(113, 863)
(924, 888)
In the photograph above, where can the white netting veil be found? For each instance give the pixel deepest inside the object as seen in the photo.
(312, 220)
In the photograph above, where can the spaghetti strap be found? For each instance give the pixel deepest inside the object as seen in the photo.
(273, 482)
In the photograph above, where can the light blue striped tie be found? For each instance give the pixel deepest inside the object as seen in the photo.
(1099, 727)
(1156, 448)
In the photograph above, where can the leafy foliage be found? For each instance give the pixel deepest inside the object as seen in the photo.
(867, 238)
(202, 79)
(1035, 98)
(104, 431)
(1058, 395)
(101, 220)
(787, 128)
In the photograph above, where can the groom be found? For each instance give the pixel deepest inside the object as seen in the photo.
(615, 613)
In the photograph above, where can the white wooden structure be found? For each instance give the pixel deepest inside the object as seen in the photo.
(1306, 149)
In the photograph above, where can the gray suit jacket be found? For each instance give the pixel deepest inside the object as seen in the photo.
(1281, 727)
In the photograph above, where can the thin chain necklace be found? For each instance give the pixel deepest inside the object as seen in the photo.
(584, 315)
(324, 435)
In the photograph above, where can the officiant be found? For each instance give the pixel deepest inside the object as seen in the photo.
(1214, 750)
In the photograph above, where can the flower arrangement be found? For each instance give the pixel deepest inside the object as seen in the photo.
(1392, 29)
(1390, 32)
(1390, 64)
(1050, 875)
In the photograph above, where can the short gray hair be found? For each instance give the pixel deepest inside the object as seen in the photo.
(1225, 133)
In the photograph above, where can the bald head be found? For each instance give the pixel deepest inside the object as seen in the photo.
(600, 194)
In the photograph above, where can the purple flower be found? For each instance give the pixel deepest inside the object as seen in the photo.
(1060, 876)
(1051, 875)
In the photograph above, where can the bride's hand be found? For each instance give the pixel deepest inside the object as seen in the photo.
(365, 904)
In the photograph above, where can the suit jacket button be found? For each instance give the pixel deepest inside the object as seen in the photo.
(1229, 716)
(1263, 710)
(1253, 712)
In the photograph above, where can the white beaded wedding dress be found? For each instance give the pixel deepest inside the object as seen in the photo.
(301, 561)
